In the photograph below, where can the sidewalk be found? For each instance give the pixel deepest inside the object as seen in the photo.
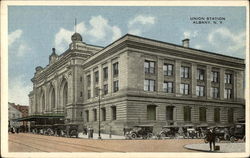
(224, 147)
(103, 136)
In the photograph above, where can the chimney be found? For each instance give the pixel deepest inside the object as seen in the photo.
(185, 42)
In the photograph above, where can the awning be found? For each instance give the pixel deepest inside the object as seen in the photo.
(43, 116)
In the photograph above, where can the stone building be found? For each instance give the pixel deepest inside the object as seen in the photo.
(140, 81)
(23, 109)
(13, 114)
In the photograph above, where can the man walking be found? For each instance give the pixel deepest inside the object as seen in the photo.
(211, 136)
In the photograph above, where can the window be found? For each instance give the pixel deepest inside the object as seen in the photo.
(203, 114)
(184, 89)
(149, 67)
(96, 77)
(116, 86)
(215, 92)
(228, 78)
(80, 94)
(87, 115)
(169, 113)
(105, 73)
(187, 113)
(113, 110)
(228, 93)
(95, 114)
(97, 91)
(88, 80)
(200, 91)
(215, 76)
(200, 74)
(184, 72)
(149, 85)
(168, 69)
(81, 79)
(105, 89)
(115, 69)
(230, 115)
(168, 87)
(89, 94)
(103, 114)
(151, 112)
(217, 115)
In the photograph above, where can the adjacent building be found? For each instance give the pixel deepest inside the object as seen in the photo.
(13, 114)
(139, 81)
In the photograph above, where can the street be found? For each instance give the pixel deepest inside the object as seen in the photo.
(26, 142)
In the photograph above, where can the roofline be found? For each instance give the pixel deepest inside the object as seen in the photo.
(203, 51)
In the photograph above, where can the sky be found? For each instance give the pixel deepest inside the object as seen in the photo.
(34, 30)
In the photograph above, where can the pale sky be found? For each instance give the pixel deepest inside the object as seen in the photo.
(34, 31)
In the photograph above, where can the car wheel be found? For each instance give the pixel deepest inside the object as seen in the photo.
(162, 135)
(232, 139)
(217, 140)
(133, 136)
(150, 135)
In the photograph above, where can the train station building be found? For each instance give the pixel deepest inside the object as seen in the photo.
(139, 81)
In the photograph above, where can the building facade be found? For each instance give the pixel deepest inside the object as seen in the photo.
(13, 114)
(139, 81)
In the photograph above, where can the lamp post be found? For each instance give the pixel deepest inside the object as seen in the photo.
(99, 119)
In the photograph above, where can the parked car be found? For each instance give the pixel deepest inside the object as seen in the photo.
(169, 131)
(189, 131)
(201, 131)
(222, 133)
(237, 132)
(141, 131)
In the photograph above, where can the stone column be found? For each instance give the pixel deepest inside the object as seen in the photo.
(238, 85)
(160, 74)
(177, 77)
(222, 83)
(208, 81)
(100, 71)
(110, 77)
(92, 85)
(194, 80)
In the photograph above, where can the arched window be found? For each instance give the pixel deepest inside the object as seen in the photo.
(52, 98)
(65, 94)
(43, 102)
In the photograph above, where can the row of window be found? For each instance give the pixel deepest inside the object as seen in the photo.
(168, 87)
(151, 113)
(105, 89)
(168, 70)
(103, 114)
(105, 74)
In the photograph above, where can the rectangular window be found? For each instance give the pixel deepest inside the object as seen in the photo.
(115, 69)
(95, 114)
(105, 73)
(97, 91)
(228, 93)
(81, 79)
(105, 89)
(168, 87)
(169, 113)
(184, 89)
(103, 114)
(151, 112)
(89, 94)
(80, 94)
(168, 69)
(230, 115)
(87, 115)
(215, 76)
(203, 114)
(217, 115)
(149, 67)
(187, 113)
(215, 92)
(185, 72)
(88, 80)
(200, 74)
(200, 91)
(149, 85)
(96, 77)
(228, 78)
(116, 86)
(113, 109)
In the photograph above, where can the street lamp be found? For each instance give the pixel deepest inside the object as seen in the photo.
(99, 119)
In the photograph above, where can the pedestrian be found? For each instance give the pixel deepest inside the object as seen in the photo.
(211, 138)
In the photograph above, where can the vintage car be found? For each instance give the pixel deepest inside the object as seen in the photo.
(237, 132)
(141, 131)
(201, 131)
(222, 133)
(189, 131)
(169, 131)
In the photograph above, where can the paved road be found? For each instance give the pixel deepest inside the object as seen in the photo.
(24, 142)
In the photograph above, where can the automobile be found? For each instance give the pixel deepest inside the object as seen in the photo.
(222, 133)
(237, 132)
(141, 131)
(189, 131)
(169, 131)
(201, 130)
(72, 130)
